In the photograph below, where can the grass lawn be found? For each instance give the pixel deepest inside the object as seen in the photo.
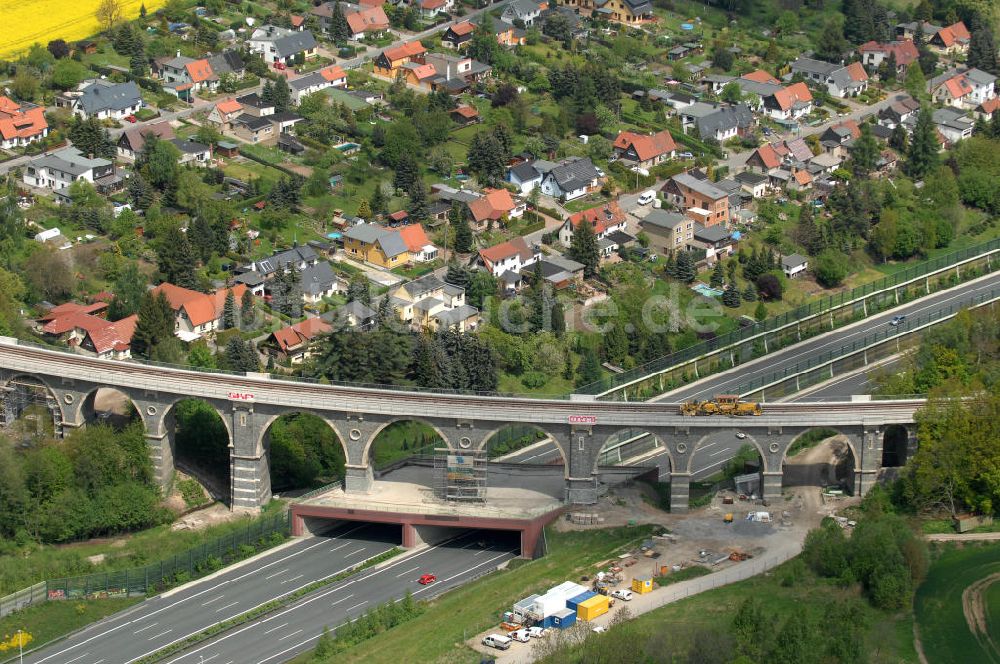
(438, 634)
(51, 620)
(888, 637)
(403, 439)
(36, 563)
(555, 386)
(938, 605)
(247, 170)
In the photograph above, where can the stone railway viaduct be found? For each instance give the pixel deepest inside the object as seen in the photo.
(248, 405)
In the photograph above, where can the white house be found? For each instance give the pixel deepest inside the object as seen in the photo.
(794, 264)
(571, 178)
(61, 168)
(282, 45)
(102, 100)
(512, 256)
(525, 10)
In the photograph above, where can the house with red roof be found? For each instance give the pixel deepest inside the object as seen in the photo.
(21, 125)
(224, 113)
(85, 331)
(951, 40)
(789, 103)
(603, 219)
(963, 88)
(874, 53)
(763, 160)
(458, 35)
(388, 62)
(417, 243)
(761, 76)
(494, 205)
(511, 256)
(431, 8)
(293, 342)
(197, 314)
(987, 110)
(645, 150)
(367, 22)
(840, 80)
(183, 76)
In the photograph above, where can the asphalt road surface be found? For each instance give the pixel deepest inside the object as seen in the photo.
(843, 387)
(727, 382)
(162, 620)
(283, 635)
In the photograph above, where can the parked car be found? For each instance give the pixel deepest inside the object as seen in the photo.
(520, 635)
(897, 321)
(740, 435)
(623, 594)
(497, 641)
(537, 632)
(647, 197)
(427, 579)
(131, 118)
(280, 65)
(685, 155)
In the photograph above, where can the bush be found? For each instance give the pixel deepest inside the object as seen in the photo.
(534, 379)
(830, 268)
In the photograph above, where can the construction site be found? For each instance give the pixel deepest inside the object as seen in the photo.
(731, 531)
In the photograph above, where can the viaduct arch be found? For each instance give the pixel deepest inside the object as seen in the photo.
(580, 426)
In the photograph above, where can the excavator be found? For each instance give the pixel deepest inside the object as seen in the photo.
(722, 404)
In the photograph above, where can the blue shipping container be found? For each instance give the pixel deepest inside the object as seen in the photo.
(563, 619)
(576, 601)
(548, 621)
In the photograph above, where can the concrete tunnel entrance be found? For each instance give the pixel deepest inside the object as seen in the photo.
(411, 529)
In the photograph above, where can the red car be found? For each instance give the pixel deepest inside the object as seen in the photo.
(427, 579)
(131, 118)
(280, 65)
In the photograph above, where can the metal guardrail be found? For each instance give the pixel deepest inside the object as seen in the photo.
(132, 581)
(907, 327)
(795, 316)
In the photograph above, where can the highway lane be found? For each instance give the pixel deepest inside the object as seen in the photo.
(847, 385)
(165, 619)
(730, 380)
(283, 635)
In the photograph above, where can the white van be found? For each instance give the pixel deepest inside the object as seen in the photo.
(647, 197)
(497, 641)
(521, 635)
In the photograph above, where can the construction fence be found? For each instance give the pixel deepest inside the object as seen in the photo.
(258, 535)
(815, 317)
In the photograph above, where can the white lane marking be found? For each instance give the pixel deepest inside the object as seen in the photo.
(102, 659)
(338, 548)
(209, 659)
(711, 465)
(408, 571)
(213, 600)
(288, 636)
(342, 599)
(316, 597)
(276, 628)
(354, 553)
(223, 608)
(348, 610)
(76, 658)
(313, 638)
(294, 578)
(876, 322)
(722, 451)
(145, 628)
(465, 571)
(251, 572)
(159, 635)
(276, 574)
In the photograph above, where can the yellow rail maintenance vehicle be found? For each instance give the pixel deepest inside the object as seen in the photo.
(722, 404)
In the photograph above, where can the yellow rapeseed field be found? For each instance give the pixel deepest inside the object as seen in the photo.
(28, 21)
